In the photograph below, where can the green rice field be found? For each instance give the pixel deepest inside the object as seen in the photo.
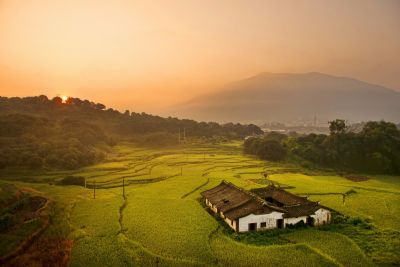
(162, 222)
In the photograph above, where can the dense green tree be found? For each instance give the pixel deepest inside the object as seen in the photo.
(36, 143)
(99, 106)
(337, 126)
(269, 147)
(271, 150)
(375, 149)
(57, 100)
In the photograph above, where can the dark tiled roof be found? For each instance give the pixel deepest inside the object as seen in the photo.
(235, 202)
(226, 196)
(301, 210)
(280, 195)
(253, 206)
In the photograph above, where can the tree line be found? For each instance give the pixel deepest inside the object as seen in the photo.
(373, 149)
(119, 123)
(42, 133)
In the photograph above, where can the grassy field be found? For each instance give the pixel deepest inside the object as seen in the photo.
(160, 221)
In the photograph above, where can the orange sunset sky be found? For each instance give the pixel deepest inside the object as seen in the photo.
(147, 55)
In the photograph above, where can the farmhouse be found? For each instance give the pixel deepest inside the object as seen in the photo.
(263, 208)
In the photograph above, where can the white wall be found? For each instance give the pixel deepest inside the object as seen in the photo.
(232, 224)
(208, 203)
(321, 217)
(269, 219)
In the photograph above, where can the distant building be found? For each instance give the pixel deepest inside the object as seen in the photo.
(253, 136)
(263, 208)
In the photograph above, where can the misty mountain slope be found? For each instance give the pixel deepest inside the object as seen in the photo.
(295, 97)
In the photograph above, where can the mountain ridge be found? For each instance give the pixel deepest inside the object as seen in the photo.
(290, 97)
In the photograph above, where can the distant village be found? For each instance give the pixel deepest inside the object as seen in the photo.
(299, 127)
(263, 208)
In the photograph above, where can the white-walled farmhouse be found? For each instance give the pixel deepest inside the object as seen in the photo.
(263, 208)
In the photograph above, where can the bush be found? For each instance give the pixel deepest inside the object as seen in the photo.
(297, 225)
(73, 180)
(339, 219)
(356, 221)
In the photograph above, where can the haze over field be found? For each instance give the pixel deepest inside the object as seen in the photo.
(146, 56)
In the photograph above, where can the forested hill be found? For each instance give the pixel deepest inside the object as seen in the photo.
(114, 122)
(33, 142)
(39, 133)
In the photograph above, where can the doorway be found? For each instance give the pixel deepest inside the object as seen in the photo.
(310, 221)
(252, 226)
(279, 223)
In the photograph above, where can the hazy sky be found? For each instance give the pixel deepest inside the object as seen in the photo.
(144, 55)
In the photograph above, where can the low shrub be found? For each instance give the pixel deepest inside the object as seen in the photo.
(73, 180)
(297, 225)
(340, 219)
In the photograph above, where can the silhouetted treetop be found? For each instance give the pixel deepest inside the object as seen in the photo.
(114, 122)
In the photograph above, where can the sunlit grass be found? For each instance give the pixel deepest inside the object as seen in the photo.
(161, 222)
(338, 247)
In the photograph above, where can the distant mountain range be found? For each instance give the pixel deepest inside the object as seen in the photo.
(289, 98)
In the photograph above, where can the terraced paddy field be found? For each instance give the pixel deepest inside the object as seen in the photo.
(162, 222)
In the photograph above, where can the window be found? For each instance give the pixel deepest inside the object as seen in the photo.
(263, 224)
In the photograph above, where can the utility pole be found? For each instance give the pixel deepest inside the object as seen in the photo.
(94, 190)
(179, 138)
(85, 182)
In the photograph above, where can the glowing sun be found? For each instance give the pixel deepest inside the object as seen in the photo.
(64, 98)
